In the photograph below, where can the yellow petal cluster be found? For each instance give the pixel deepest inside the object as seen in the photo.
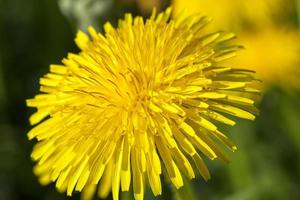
(138, 101)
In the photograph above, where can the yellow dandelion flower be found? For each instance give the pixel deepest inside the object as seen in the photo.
(139, 99)
(229, 13)
(274, 54)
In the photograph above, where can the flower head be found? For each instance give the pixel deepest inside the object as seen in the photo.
(142, 97)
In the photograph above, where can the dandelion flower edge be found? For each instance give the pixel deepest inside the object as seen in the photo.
(141, 98)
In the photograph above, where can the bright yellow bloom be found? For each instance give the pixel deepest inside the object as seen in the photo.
(274, 54)
(137, 99)
(229, 13)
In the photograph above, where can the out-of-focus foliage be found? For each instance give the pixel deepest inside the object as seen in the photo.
(145, 6)
(35, 33)
(83, 13)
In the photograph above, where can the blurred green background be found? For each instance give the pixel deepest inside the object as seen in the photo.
(36, 33)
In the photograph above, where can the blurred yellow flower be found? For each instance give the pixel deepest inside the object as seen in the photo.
(229, 13)
(142, 96)
(271, 51)
(274, 54)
